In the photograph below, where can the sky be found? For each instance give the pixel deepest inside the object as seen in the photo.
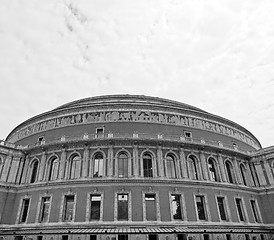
(215, 55)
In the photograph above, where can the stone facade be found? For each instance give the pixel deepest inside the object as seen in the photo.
(134, 167)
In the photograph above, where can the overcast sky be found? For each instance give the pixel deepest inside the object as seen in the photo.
(217, 55)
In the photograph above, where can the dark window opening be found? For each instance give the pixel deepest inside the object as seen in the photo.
(254, 210)
(150, 200)
(25, 208)
(176, 207)
(18, 238)
(206, 236)
(220, 201)
(45, 204)
(239, 209)
(243, 173)
(228, 237)
(34, 172)
(147, 165)
(247, 237)
(92, 237)
(200, 202)
(69, 208)
(95, 207)
(229, 172)
(123, 165)
(212, 170)
(181, 237)
(122, 237)
(64, 237)
(170, 164)
(100, 132)
(122, 206)
(39, 237)
(152, 237)
(188, 134)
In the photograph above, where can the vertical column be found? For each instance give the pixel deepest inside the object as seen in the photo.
(141, 166)
(204, 165)
(85, 167)
(237, 171)
(62, 165)
(160, 161)
(135, 161)
(249, 174)
(14, 167)
(183, 165)
(222, 168)
(42, 167)
(268, 171)
(260, 173)
(20, 170)
(26, 166)
(178, 170)
(110, 161)
(6, 168)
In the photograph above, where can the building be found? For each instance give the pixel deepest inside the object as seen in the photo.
(126, 167)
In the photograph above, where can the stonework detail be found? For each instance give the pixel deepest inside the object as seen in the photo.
(132, 116)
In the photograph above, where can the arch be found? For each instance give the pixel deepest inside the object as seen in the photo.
(213, 169)
(34, 166)
(243, 173)
(74, 165)
(98, 164)
(53, 168)
(192, 167)
(229, 171)
(170, 160)
(147, 160)
(123, 163)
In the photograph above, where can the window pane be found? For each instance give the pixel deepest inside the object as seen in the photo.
(220, 201)
(69, 207)
(150, 200)
(53, 171)
(212, 170)
(200, 207)
(75, 167)
(242, 168)
(176, 207)
(192, 169)
(229, 172)
(98, 166)
(25, 208)
(95, 207)
(45, 209)
(147, 165)
(123, 165)
(255, 210)
(122, 207)
(239, 208)
(170, 167)
(34, 172)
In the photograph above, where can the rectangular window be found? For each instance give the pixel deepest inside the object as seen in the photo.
(100, 132)
(69, 208)
(228, 237)
(181, 237)
(239, 206)
(188, 134)
(255, 210)
(39, 237)
(221, 207)
(24, 210)
(95, 207)
(176, 207)
(122, 237)
(150, 201)
(153, 237)
(64, 237)
(206, 236)
(92, 237)
(122, 200)
(200, 203)
(45, 205)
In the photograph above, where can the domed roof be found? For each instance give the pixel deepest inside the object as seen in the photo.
(127, 99)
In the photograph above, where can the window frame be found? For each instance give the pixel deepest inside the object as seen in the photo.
(50, 166)
(39, 208)
(63, 207)
(116, 206)
(100, 162)
(73, 166)
(123, 152)
(193, 158)
(243, 208)
(206, 207)
(150, 171)
(20, 210)
(157, 206)
(183, 206)
(226, 207)
(256, 213)
(231, 170)
(216, 169)
(34, 161)
(88, 208)
(173, 162)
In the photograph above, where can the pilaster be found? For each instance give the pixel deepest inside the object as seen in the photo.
(62, 165)
(222, 168)
(85, 162)
(135, 161)
(42, 167)
(204, 166)
(183, 165)
(160, 161)
(260, 173)
(110, 161)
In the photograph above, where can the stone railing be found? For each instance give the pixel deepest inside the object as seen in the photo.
(139, 136)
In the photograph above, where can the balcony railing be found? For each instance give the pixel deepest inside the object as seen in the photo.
(137, 136)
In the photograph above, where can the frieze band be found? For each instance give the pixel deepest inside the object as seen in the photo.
(131, 116)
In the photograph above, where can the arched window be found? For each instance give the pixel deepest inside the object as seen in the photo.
(147, 165)
(53, 169)
(98, 165)
(170, 166)
(243, 173)
(229, 171)
(34, 171)
(193, 174)
(1, 166)
(75, 166)
(212, 167)
(122, 165)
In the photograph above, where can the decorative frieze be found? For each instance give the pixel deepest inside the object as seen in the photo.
(132, 116)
